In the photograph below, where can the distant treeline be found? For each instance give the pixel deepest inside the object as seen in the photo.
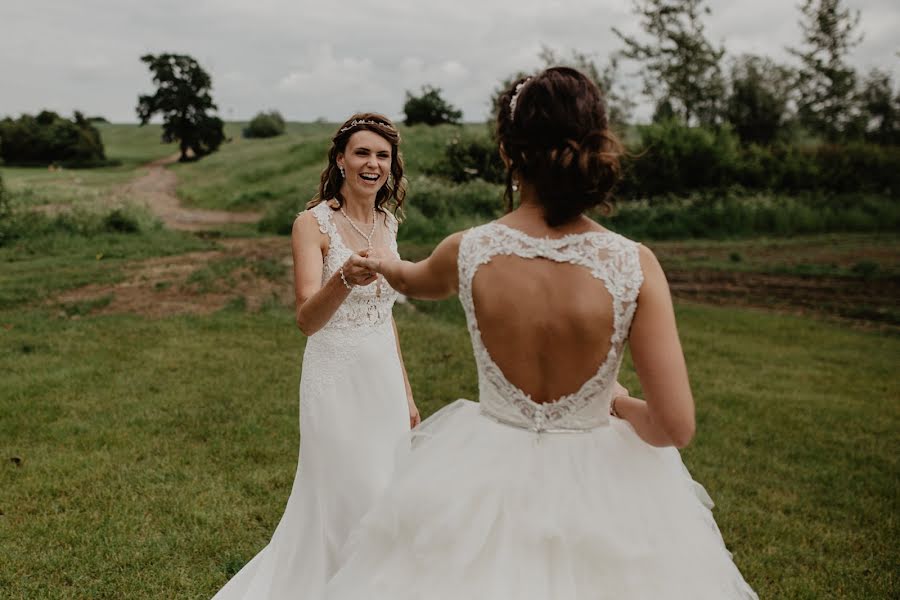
(51, 139)
(671, 159)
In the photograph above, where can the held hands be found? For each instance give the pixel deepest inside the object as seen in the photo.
(366, 259)
(356, 271)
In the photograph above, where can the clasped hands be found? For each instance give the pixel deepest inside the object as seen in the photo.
(360, 268)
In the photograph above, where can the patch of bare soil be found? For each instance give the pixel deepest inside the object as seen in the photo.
(156, 189)
(257, 272)
(867, 302)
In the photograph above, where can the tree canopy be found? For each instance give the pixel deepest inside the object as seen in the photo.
(681, 68)
(184, 101)
(430, 108)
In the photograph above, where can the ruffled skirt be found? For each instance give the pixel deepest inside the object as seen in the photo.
(481, 510)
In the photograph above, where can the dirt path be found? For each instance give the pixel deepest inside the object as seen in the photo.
(156, 190)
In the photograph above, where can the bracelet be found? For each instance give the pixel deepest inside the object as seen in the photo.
(344, 279)
(612, 408)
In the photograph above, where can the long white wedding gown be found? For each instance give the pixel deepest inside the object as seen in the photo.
(510, 499)
(353, 414)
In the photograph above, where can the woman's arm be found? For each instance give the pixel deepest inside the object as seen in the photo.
(316, 303)
(414, 418)
(667, 416)
(434, 278)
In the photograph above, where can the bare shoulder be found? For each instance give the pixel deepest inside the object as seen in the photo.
(305, 224)
(649, 263)
(306, 232)
(448, 249)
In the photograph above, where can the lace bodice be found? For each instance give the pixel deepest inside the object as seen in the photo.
(364, 307)
(609, 257)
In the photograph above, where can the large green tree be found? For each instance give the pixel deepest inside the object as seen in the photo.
(826, 84)
(880, 108)
(759, 97)
(429, 108)
(183, 99)
(680, 67)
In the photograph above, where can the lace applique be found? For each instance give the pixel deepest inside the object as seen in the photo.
(364, 307)
(610, 258)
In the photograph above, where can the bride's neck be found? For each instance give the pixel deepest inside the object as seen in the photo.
(358, 208)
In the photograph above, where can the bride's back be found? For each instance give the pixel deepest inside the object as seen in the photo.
(547, 324)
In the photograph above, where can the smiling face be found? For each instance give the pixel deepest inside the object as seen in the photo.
(366, 162)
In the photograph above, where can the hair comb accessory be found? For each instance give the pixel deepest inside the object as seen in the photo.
(515, 97)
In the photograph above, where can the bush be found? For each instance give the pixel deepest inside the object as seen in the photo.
(24, 224)
(733, 213)
(430, 108)
(471, 157)
(50, 139)
(265, 125)
(676, 159)
(436, 208)
(673, 159)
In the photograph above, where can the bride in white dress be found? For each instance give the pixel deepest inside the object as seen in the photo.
(556, 485)
(355, 400)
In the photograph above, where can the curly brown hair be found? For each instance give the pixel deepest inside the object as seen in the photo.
(558, 139)
(393, 193)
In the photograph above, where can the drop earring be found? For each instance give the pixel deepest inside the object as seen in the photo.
(515, 185)
(341, 169)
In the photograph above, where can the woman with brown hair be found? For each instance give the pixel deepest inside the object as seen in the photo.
(556, 484)
(355, 400)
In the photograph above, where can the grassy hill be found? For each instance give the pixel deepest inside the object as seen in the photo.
(148, 407)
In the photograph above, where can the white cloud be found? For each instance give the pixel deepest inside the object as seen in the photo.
(311, 59)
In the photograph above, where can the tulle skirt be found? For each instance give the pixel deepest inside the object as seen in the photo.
(481, 510)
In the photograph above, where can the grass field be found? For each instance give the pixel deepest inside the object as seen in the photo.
(151, 457)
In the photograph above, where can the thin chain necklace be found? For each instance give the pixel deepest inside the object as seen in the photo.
(368, 238)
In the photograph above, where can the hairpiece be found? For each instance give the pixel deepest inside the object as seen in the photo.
(515, 97)
(355, 123)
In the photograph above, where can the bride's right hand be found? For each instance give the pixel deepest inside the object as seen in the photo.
(356, 272)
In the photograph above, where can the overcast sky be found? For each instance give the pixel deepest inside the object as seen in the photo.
(329, 59)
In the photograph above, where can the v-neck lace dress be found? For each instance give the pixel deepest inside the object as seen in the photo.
(353, 415)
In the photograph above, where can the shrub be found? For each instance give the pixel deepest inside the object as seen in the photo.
(48, 138)
(265, 125)
(675, 159)
(731, 213)
(430, 108)
(471, 157)
(24, 224)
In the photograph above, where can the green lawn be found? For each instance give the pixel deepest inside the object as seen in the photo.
(152, 458)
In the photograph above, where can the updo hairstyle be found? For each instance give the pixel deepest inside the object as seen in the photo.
(556, 135)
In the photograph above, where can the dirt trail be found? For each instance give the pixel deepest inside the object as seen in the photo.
(156, 190)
